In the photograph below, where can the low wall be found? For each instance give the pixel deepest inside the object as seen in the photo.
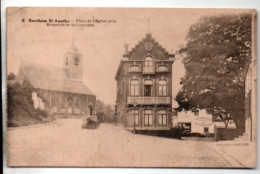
(227, 134)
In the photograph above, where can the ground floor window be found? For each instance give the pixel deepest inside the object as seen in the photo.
(162, 118)
(135, 113)
(206, 130)
(148, 117)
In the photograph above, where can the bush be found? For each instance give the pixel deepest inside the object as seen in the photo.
(20, 109)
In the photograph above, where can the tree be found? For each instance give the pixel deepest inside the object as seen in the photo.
(214, 57)
(100, 111)
(20, 109)
(220, 114)
(105, 113)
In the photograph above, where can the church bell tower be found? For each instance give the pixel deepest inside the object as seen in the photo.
(73, 63)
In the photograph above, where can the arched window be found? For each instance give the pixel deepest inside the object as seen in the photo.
(162, 68)
(148, 61)
(76, 60)
(62, 101)
(47, 100)
(77, 103)
(70, 102)
(66, 61)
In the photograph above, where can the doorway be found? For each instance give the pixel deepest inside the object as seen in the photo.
(147, 90)
(90, 109)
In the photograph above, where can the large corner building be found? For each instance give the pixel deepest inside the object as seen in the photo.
(144, 87)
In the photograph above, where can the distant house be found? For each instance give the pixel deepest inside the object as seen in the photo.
(144, 87)
(199, 122)
(61, 91)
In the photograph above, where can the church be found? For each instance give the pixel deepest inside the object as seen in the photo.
(60, 90)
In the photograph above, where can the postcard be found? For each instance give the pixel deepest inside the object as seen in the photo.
(131, 87)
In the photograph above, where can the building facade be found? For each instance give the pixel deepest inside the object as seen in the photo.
(198, 123)
(144, 87)
(251, 100)
(250, 76)
(59, 90)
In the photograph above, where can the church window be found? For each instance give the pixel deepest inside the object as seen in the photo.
(66, 61)
(76, 60)
(62, 101)
(76, 103)
(47, 100)
(70, 102)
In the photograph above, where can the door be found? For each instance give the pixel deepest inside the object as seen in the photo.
(147, 90)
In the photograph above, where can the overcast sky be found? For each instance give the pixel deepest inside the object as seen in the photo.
(101, 46)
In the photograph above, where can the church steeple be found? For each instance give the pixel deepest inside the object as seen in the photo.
(73, 63)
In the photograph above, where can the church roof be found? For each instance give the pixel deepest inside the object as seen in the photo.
(73, 49)
(52, 78)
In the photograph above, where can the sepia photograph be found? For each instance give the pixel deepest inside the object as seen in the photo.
(131, 87)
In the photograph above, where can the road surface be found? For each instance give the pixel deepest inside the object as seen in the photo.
(67, 144)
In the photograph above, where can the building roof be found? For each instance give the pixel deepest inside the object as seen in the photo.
(51, 78)
(148, 37)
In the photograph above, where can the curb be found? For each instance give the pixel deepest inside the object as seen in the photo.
(229, 158)
(32, 126)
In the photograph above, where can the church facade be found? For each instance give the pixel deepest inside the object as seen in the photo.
(60, 91)
(144, 87)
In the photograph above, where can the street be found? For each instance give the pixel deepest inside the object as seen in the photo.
(67, 144)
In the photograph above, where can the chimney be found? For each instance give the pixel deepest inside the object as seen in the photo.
(126, 48)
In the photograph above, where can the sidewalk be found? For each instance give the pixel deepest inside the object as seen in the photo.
(237, 154)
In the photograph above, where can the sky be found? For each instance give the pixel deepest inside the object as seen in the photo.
(101, 46)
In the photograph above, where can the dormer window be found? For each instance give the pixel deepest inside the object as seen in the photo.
(148, 65)
(134, 68)
(148, 61)
(162, 68)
